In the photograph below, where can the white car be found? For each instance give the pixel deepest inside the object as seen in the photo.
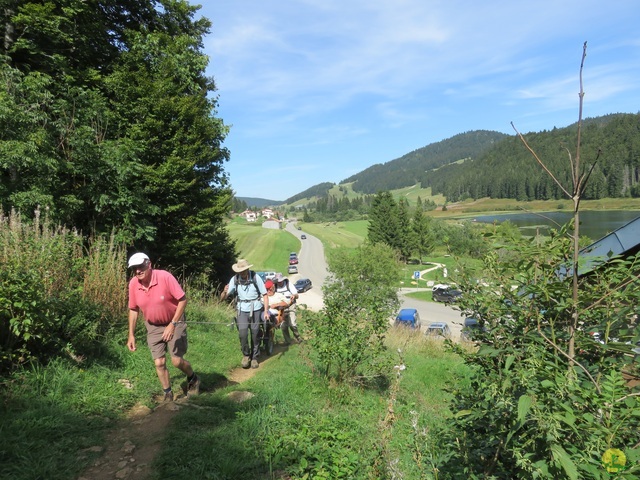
(293, 269)
(267, 275)
(438, 329)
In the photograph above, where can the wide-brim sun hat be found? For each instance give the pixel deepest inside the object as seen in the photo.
(137, 259)
(279, 278)
(241, 266)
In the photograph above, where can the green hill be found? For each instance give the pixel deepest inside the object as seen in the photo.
(487, 164)
(403, 172)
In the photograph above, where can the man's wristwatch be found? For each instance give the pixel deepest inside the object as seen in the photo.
(175, 324)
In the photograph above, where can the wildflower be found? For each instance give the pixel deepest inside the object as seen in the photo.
(614, 460)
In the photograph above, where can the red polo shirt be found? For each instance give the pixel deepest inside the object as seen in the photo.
(160, 301)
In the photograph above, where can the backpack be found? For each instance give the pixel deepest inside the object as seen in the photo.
(287, 284)
(252, 279)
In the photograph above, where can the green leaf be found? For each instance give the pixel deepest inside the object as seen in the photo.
(524, 405)
(508, 362)
(462, 413)
(562, 457)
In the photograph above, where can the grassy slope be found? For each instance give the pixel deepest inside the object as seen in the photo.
(338, 234)
(487, 205)
(51, 413)
(266, 249)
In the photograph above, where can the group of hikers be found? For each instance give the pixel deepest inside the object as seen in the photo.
(260, 301)
(162, 301)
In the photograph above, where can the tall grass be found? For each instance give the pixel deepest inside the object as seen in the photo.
(58, 295)
(104, 272)
(40, 247)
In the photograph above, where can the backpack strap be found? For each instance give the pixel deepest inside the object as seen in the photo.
(252, 277)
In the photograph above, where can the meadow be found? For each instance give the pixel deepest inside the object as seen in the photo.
(57, 414)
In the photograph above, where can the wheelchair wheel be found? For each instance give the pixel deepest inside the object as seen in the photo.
(262, 338)
(269, 341)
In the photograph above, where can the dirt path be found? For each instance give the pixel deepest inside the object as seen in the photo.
(136, 440)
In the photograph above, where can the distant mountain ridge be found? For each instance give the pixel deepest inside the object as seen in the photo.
(412, 167)
(484, 163)
(402, 172)
(259, 202)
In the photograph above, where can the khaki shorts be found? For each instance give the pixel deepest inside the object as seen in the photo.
(177, 346)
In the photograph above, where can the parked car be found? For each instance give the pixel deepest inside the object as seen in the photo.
(438, 329)
(445, 294)
(302, 285)
(293, 269)
(303, 237)
(266, 275)
(293, 260)
(470, 327)
(299, 228)
(408, 317)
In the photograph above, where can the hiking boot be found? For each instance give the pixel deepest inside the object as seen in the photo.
(193, 388)
(168, 397)
(254, 363)
(246, 361)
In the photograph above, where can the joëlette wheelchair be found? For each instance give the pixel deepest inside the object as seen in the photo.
(267, 332)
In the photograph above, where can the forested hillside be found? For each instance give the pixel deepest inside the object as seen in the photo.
(319, 190)
(403, 171)
(611, 144)
(108, 126)
(482, 164)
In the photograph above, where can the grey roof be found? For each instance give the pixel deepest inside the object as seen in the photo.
(621, 242)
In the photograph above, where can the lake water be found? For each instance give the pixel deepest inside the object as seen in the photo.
(595, 224)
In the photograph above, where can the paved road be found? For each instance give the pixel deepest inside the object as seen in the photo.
(314, 266)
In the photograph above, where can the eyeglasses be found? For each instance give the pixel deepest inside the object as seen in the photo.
(143, 267)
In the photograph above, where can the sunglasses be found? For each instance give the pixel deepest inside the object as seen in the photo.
(140, 268)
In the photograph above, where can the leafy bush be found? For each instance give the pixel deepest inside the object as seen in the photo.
(545, 403)
(360, 297)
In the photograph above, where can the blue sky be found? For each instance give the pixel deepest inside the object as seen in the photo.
(318, 90)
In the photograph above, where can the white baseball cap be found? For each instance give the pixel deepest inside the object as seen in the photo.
(137, 259)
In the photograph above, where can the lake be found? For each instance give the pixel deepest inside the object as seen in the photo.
(595, 224)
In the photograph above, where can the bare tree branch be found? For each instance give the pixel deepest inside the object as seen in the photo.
(535, 155)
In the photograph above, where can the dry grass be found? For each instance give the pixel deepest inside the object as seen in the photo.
(104, 276)
(41, 247)
(62, 260)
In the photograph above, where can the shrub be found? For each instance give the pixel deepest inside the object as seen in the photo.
(360, 297)
(534, 410)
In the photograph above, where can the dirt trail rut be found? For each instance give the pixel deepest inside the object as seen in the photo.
(136, 440)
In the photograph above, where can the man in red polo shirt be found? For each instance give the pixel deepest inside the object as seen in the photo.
(160, 298)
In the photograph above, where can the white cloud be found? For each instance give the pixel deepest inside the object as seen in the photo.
(308, 73)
